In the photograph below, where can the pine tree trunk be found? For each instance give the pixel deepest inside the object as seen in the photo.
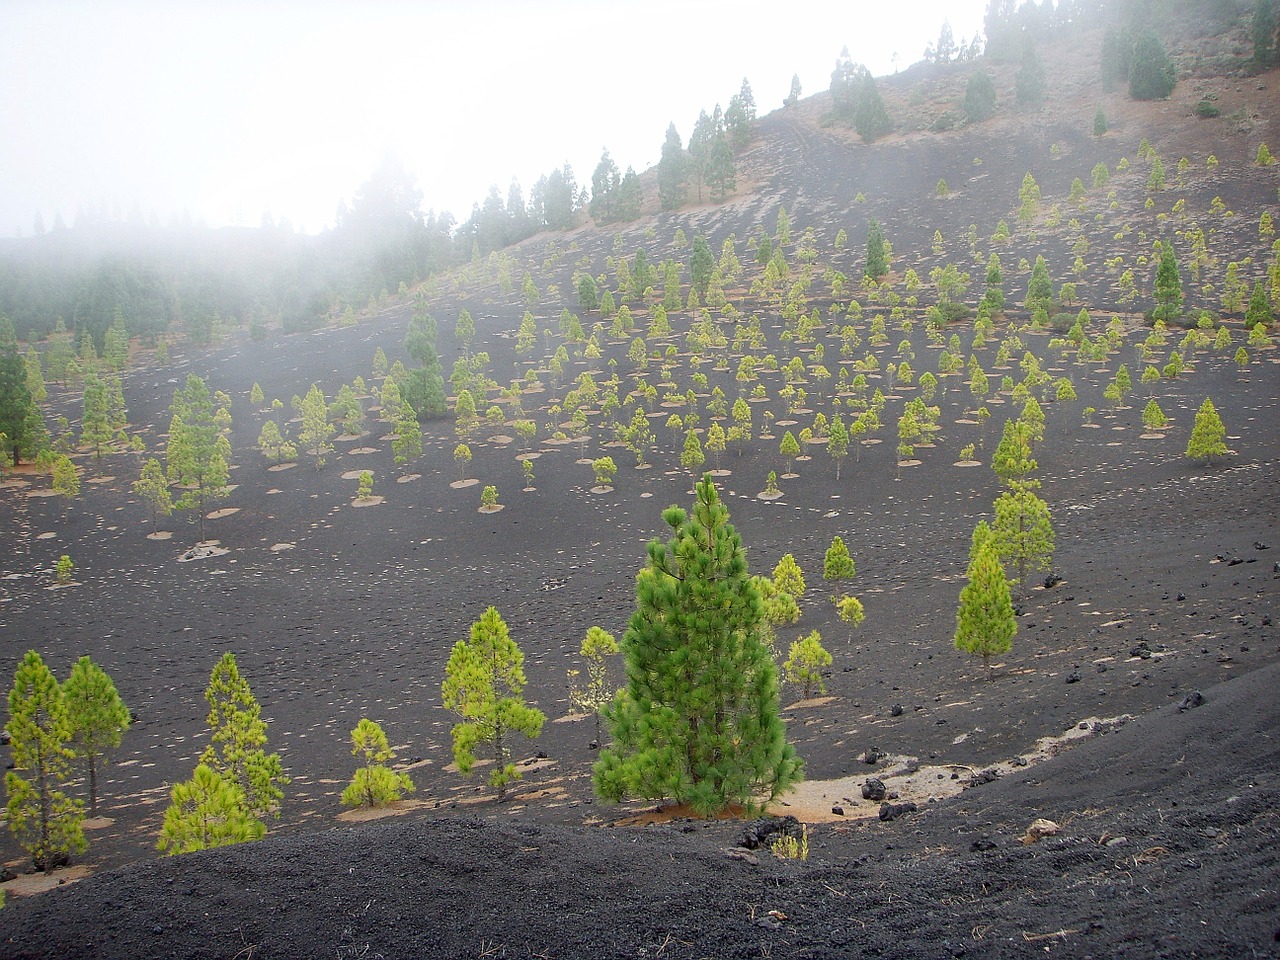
(93, 786)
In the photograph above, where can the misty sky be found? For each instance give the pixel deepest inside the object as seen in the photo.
(229, 110)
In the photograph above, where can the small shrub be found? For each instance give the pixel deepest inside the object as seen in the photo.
(1207, 109)
(787, 847)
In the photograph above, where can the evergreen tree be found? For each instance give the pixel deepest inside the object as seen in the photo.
(238, 738)
(1029, 84)
(195, 453)
(98, 718)
(837, 564)
(407, 444)
(721, 173)
(630, 196)
(604, 190)
(16, 403)
(701, 263)
(1168, 286)
(979, 97)
(877, 259)
(1099, 123)
(691, 456)
(375, 784)
(152, 488)
(838, 442)
(207, 811)
(484, 684)
(805, 662)
(1264, 33)
(1151, 72)
(316, 429)
(788, 578)
(423, 387)
(673, 171)
(698, 719)
(43, 819)
(594, 691)
(870, 117)
(985, 621)
(1012, 461)
(1022, 532)
(95, 428)
(1208, 434)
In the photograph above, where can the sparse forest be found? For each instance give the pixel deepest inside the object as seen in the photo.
(984, 381)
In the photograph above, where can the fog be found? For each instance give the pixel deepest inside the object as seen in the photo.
(226, 112)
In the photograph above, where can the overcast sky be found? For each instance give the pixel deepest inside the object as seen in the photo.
(228, 110)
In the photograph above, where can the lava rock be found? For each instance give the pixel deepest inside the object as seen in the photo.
(892, 811)
(1051, 581)
(838, 811)
(874, 755)
(990, 775)
(982, 845)
(1073, 678)
(1192, 700)
(767, 830)
(895, 710)
(873, 789)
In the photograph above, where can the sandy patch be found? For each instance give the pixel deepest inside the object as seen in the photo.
(30, 884)
(281, 547)
(463, 484)
(409, 478)
(276, 468)
(493, 509)
(366, 814)
(160, 535)
(203, 551)
(367, 501)
(224, 512)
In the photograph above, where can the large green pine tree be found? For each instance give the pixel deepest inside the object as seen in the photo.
(877, 260)
(698, 719)
(45, 821)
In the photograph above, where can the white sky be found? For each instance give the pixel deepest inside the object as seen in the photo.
(231, 109)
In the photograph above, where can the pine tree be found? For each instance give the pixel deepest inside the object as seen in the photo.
(195, 452)
(1208, 435)
(877, 259)
(152, 488)
(316, 429)
(1168, 286)
(207, 811)
(238, 737)
(98, 719)
(838, 442)
(375, 784)
(1012, 461)
(985, 621)
(805, 662)
(698, 719)
(837, 564)
(673, 171)
(692, 457)
(43, 819)
(407, 444)
(484, 684)
(788, 578)
(595, 690)
(16, 403)
(1022, 532)
(1151, 72)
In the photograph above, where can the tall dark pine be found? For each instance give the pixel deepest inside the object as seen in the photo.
(673, 171)
(15, 397)
(698, 719)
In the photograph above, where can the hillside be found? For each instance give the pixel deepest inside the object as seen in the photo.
(1163, 580)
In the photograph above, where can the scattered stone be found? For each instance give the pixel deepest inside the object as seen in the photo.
(1116, 841)
(982, 845)
(895, 710)
(1234, 562)
(838, 811)
(767, 830)
(767, 922)
(990, 775)
(1039, 829)
(1259, 545)
(873, 789)
(748, 858)
(1073, 677)
(1051, 581)
(1141, 651)
(874, 755)
(892, 811)
(1192, 700)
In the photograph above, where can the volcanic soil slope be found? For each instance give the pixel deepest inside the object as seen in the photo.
(1163, 578)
